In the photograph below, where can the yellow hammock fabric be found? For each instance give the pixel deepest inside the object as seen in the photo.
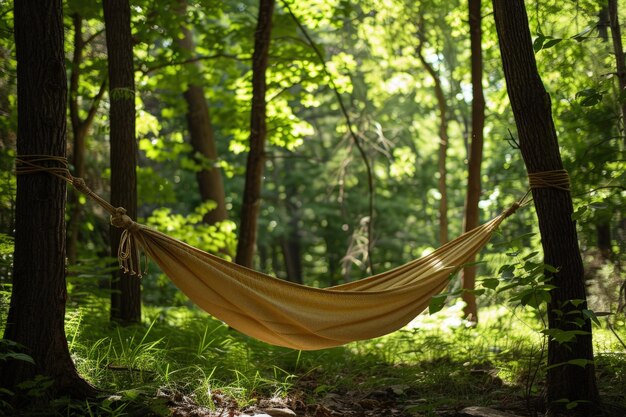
(284, 313)
(287, 314)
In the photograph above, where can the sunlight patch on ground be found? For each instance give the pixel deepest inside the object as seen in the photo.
(446, 320)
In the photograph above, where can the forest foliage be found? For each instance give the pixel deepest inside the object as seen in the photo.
(315, 180)
(315, 208)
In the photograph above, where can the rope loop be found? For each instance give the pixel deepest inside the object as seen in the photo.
(33, 164)
(558, 179)
(128, 250)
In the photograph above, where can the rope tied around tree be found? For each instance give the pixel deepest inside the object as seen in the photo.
(128, 250)
(558, 179)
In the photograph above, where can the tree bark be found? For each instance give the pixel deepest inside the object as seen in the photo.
(80, 128)
(126, 289)
(443, 138)
(540, 150)
(37, 311)
(618, 48)
(603, 21)
(202, 138)
(258, 133)
(468, 275)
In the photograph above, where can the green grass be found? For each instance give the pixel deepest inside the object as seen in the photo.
(184, 350)
(437, 362)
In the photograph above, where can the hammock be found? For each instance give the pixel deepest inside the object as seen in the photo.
(287, 314)
(284, 313)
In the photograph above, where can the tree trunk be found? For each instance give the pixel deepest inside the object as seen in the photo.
(603, 21)
(80, 128)
(603, 234)
(468, 275)
(202, 138)
(37, 311)
(620, 64)
(291, 255)
(540, 150)
(443, 140)
(290, 241)
(126, 290)
(258, 132)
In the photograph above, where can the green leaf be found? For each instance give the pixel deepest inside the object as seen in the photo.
(550, 43)
(576, 302)
(579, 212)
(538, 43)
(534, 298)
(591, 315)
(437, 303)
(563, 336)
(17, 356)
(530, 255)
(589, 97)
(491, 283)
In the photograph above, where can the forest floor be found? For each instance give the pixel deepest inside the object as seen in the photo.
(194, 365)
(181, 362)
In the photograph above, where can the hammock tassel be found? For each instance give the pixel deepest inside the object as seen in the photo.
(128, 249)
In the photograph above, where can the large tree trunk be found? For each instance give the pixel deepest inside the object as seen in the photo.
(80, 128)
(202, 138)
(37, 310)
(540, 149)
(258, 132)
(126, 289)
(472, 198)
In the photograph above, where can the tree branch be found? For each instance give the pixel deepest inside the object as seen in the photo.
(145, 70)
(94, 105)
(92, 37)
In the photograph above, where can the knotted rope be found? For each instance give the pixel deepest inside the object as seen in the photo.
(128, 249)
(558, 179)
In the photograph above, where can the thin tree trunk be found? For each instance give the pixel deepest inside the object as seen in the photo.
(443, 152)
(126, 289)
(290, 241)
(258, 132)
(37, 311)
(291, 254)
(80, 128)
(540, 149)
(443, 139)
(468, 275)
(275, 263)
(620, 64)
(202, 138)
(603, 21)
(603, 234)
